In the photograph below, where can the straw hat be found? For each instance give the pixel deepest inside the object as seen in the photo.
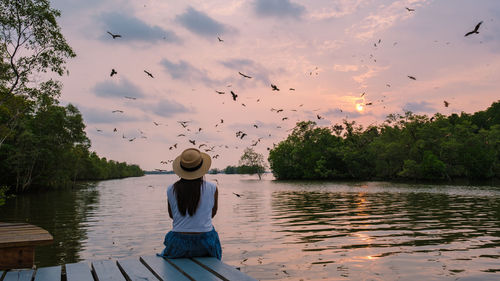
(192, 164)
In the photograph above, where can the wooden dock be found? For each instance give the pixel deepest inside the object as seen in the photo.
(147, 268)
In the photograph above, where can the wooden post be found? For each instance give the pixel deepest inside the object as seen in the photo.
(17, 257)
(17, 244)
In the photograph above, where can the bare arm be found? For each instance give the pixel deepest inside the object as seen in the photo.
(216, 199)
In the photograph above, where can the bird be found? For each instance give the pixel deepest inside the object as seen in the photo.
(292, 89)
(130, 98)
(234, 95)
(215, 156)
(99, 130)
(193, 142)
(220, 40)
(412, 77)
(319, 117)
(255, 126)
(279, 110)
(244, 75)
(115, 111)
(149, 73)
(446, 104)
(274, 87)
(114, 35)
(132, 139)
(181, 135)
(475, 29)
(220, 92)
(368, 103)
(183, 123)
(284, 118)
(362, 94)
(156, 124)
(410, 9)
(238, 195)
(115, 130)
(113, 72)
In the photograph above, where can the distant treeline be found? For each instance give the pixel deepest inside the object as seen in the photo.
(45, 145)
(405, 146)
(242, 169)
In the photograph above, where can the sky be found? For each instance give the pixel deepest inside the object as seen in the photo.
(332, 60)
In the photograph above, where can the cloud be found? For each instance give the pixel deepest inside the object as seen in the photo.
(183, 70)
(200, 23)
(93, 115)
(133, 29)
(278, 8)
(248, 67)
(122, 88)
(422, 106)
(163, 108)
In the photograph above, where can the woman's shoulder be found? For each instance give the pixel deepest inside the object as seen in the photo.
(210, 184)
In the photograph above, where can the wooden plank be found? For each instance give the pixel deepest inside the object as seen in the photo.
(162, 269)
(19, 275)
(224, 271)
(107, 271)
(18, 235)
(134, 270)
(193, 269)
(20, 257)
(78, 272)
(52, 273)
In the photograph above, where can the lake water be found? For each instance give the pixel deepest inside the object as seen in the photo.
(285, 230)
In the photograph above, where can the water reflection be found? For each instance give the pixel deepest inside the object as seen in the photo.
(357, 226)
(62, 213)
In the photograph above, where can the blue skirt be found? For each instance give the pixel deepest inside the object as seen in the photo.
(179, 245)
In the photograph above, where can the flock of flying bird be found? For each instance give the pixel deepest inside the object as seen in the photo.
(241, 134)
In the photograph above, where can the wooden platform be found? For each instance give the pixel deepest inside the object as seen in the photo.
(18, 242)
(148, 268)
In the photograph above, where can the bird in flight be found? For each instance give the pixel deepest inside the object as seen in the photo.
(274, 87)
(284, 118)
(410, 9)
(149, 73)
(115, 111)
(446, 104)
(113, 72)
(475, 30)
(319, 117)
(234, 95)
(193, 142)
(130, 98)
(244, 75)
(292, 89)
(156, 124)
(220, 40)
(220, 92)
(114, 35)
(412, 77)
(239, 195)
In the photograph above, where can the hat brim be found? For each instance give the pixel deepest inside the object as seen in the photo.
(191, 175)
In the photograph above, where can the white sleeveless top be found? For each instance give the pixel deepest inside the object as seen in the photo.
(202, 219)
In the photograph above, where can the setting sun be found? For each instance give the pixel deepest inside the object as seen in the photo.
(359, 107)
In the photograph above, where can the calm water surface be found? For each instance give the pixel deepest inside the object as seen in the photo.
(285, 230)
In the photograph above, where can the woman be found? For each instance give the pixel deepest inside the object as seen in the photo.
(192, 203)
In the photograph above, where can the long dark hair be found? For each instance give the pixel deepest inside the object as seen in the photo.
(187, 193)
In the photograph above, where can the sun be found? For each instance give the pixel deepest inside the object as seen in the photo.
(359, 107)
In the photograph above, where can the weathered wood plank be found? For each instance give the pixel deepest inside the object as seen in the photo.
(78, 272)
(52, 273)
(162, 269)
(107, 271)
(224, 271)
(134, 270)
(17, 257)
(193, 269)
(19, 275)
(19, 235)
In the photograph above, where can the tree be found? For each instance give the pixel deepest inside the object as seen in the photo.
(31, 43)
(251, 163)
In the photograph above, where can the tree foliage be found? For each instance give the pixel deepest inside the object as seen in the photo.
(405, 146)
(251, 163)
(41, 143)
